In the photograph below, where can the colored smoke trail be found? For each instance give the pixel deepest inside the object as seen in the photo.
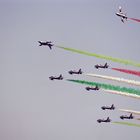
(127, 123)
(127, 71)
(130, 111)
(101, 56)
(108, 86)
(122, 93)
(136, 83)
(138, 20)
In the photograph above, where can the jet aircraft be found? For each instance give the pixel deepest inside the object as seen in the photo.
(121, 14)
(112, 107)
(127, 117)
(57, 78)
(92, 88)
(47, 43)
(104, 120)
(75, 72)
(101, 66)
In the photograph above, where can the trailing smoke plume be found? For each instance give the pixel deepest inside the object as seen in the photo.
(127, 62)
(137, 73)
(133, 82)
(108, 86)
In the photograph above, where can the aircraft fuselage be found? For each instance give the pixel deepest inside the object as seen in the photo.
(57, 78)
(111, 108)
(92, 88)
(121, 15)
(102, 120)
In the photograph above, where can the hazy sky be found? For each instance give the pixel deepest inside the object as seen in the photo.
(31, 106)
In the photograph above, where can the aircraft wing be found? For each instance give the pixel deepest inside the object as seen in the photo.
(122, 20)
(50, 47)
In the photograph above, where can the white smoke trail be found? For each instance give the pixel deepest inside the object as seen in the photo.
(133, 82)
(122, 93)
(130, 111)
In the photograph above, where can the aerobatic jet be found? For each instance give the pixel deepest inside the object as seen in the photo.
(47, 43)
(121, 14)
(75, 72)
(127, 117)
(57, 78)
(112, 107)
(104, 120)
(92, 88)
(101, 66)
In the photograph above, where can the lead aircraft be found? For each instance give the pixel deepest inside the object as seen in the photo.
(47, 43)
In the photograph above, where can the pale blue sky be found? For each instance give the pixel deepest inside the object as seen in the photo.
(31, 106)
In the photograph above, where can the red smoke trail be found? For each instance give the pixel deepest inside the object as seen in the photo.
(128, 71)
(138, 20)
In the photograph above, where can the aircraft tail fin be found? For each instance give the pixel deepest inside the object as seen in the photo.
(50, 47)
(105, 64)
(39, 43)
(112, 106)
(131, 115)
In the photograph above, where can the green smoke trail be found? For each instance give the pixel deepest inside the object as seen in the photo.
(127, 123)
(108, 86)
(101, 56)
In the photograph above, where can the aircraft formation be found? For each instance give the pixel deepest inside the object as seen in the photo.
(49, 44)
(112, 107)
